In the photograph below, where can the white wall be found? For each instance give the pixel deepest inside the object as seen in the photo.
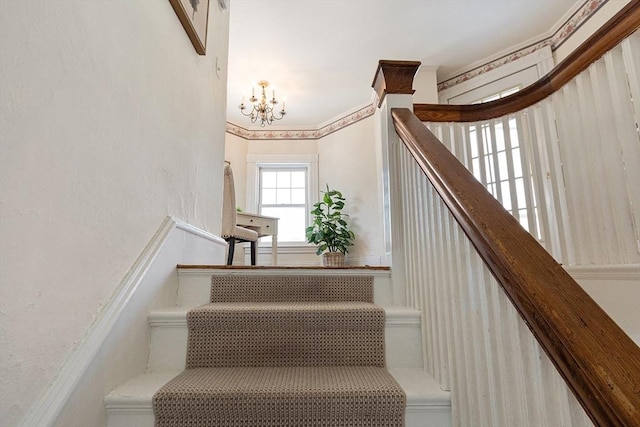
(425, 84)
(348, 162)
(109, 122)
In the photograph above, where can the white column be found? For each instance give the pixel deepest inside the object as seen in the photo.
(393, 83)
(392, 194)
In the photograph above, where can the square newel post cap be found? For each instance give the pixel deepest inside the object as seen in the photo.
(394, 77)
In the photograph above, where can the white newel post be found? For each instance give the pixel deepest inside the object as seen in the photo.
(393, 84)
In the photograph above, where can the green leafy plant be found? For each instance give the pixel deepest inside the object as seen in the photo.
(329, 230)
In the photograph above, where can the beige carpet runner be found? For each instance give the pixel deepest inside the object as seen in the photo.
(284, 351)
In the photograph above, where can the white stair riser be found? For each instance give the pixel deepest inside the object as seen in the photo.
(414, 417)
(194, 286)
(403, 345)
(427, 416)
(138, 418)
(168, 348)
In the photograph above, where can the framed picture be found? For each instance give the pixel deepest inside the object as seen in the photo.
(194, 16)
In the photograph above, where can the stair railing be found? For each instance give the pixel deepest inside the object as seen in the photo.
(505, 328)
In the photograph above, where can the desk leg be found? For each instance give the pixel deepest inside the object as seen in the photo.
(274, 249)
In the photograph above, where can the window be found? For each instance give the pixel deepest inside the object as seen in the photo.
(283, 186)
(497, 162)
(498, 95)
(283, 194)
(495, 150)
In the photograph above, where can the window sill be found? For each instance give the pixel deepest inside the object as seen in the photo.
(283, 248)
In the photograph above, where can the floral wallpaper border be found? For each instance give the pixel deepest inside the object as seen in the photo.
(336, 125)
(559, 37)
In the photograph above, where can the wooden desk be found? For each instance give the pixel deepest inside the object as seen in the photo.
(264, 225)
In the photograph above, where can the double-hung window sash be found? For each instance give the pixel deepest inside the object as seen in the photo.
(283, 194)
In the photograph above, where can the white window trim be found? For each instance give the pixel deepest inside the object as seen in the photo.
(522, 72)
(255, 161)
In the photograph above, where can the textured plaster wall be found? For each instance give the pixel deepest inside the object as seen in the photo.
(109, 121)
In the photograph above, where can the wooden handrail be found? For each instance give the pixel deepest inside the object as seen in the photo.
(598, 361)
(606, 38)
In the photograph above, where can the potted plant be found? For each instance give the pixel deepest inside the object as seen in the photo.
(329, 230)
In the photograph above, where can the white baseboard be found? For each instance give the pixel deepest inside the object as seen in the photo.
(366, 260)
(604, 272)
(616, 288)
(49, 405)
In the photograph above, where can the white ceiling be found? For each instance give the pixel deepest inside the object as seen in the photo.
(321, 55)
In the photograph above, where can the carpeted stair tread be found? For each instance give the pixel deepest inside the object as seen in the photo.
(281, 396)
(286, 334)
(239, 288)
(294, 350)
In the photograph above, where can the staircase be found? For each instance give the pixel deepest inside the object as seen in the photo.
(296, 341)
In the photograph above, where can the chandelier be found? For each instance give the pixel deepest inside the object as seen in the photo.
(262, 109)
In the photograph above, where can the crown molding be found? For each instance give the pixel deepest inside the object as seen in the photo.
(553, 39)
(320, 132)
(570, 23)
